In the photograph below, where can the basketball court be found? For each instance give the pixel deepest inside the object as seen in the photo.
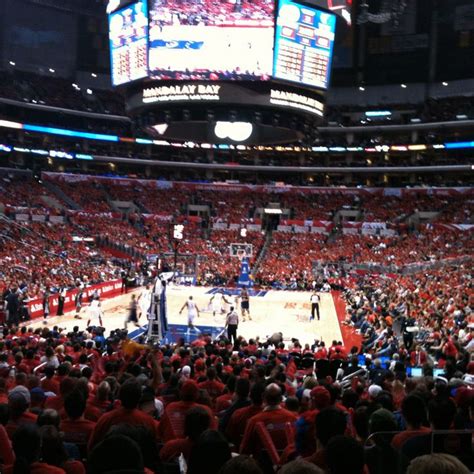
(271, 311)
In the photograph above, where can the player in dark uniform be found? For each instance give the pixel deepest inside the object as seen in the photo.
(78, 301)
(245, 304)
(132, 315)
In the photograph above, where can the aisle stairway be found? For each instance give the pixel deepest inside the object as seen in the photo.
(263, 252)
(71, 204)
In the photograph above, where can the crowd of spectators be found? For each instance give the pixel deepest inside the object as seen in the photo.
(22, 192)
(208, 12)
(71, 401)
(291, 257)
(38, 257)
(288, 261)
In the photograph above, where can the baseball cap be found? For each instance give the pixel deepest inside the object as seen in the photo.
(374, 390)
(19, 394)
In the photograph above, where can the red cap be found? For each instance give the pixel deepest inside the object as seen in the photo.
(321, 397)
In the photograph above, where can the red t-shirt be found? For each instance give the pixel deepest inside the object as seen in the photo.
(223, 402)
(214, 388)
(26, 418)
(77, 431)
(173, 448)
(50, 385)
(6, 451)
(238, 421)
(38, 468)
(401, 438)
(56, 403)
(251, 443)
(172, 422)
(117, 416)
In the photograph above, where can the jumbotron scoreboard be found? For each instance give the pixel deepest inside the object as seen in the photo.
(128, 33)
(304, 44)
(259, 53)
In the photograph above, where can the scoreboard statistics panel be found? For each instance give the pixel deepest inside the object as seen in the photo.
(304, 43)
(211, 40)
(128, 35)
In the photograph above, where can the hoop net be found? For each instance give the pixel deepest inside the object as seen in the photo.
(241, 254)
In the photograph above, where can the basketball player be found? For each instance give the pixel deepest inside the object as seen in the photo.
(78, 301)
(193, 311)
(95, 311)
(132, 312)
(315, 299)
(216, 301)
(144, 301)
(245, 304)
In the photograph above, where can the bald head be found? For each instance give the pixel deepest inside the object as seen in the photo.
(103, 391)
(272, 395)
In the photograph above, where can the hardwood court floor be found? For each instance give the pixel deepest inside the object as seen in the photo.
(273, 311)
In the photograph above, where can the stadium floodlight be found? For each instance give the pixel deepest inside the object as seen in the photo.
(378, 113)
(89, 91)
(51, 70)
(403, 86)
(235, 131)
(12, 63)
(160, 128)
(270, 210)
(445, 84)
(94, 74)
(362, 88)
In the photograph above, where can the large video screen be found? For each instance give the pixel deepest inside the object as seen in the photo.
(211, 39)
(304, 43)
(128, 35)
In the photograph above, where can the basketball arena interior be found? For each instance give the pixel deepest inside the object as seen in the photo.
(236, 236)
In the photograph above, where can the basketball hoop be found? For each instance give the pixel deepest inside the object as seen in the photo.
(241, 251)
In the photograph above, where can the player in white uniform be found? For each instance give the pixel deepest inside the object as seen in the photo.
(95, 312)
(144, 301)
(193, 312)
(217, 301)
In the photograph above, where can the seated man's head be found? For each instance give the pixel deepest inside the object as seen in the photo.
(272, 395)
(19, 400)
(130, 394)
(75, 405)
(330, 422)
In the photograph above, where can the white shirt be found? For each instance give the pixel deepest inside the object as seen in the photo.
(191, 306)
(315, 298)
(233, 318)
